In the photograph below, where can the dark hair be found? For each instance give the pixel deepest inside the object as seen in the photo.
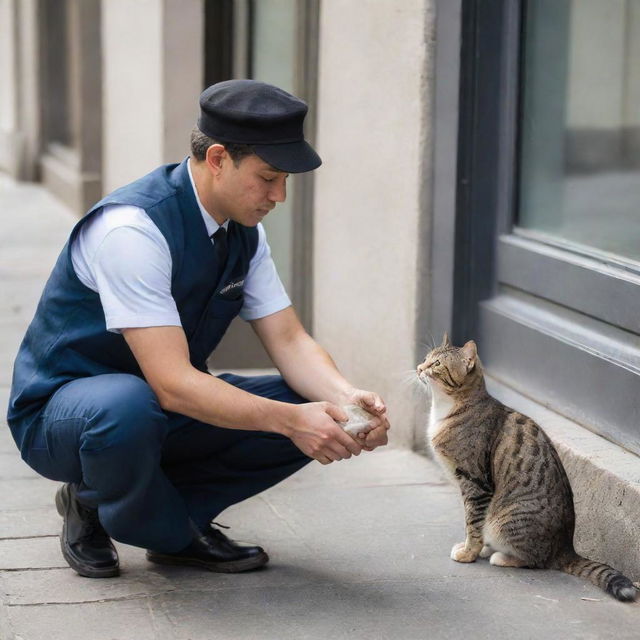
(200, 142)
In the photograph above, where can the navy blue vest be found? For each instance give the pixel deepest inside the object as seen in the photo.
(67, 338)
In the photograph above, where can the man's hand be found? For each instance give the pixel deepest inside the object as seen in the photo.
(316, 433)
(375, 438)
(379, 425)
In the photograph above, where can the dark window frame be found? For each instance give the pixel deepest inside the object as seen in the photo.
(557, 322)
(218, 41)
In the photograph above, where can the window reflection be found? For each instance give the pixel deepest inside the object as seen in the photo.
(580, 142)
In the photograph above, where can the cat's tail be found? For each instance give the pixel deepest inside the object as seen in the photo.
(602, 575)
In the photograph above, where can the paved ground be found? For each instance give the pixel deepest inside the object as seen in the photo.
(360, 549)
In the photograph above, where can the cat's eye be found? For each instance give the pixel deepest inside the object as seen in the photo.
(436, 363)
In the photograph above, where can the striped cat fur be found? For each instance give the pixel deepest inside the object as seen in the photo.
(517, 498)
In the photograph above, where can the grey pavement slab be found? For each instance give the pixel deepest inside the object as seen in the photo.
(32, 492)
(30, 553)
(131, 619)
(11, 332)
(11, 466)
(7, 444)
(352, 557)
(28, 521)
(4, 399)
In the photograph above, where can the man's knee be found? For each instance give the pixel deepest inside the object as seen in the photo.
(128, 415)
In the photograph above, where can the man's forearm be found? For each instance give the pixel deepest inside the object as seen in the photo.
(163, 355)
(309, 370)
(206, 398)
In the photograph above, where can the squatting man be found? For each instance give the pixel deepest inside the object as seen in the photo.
(111, 394)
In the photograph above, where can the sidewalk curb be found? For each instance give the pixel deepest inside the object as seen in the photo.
(605, 479)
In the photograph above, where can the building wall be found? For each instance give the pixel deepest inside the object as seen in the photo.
(374, 92)
(150, 90)
(19, 91)
(8, 87)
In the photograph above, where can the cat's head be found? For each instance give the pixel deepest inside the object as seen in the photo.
(451, 369)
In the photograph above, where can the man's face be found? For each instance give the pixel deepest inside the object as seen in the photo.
(247, 192)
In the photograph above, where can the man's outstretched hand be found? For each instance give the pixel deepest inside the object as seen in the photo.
(371, 402)
(315, 429)
(316, 432)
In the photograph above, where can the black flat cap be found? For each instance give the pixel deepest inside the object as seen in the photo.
(260, 115)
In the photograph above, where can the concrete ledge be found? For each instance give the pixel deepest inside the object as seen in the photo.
(605, 479)
(61, 174)
(11, 152)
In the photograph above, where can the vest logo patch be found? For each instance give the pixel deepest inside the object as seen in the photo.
(232, 288)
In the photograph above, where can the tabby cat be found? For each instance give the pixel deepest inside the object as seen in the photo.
(517, 499)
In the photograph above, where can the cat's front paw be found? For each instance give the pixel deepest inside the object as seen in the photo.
(459, 553)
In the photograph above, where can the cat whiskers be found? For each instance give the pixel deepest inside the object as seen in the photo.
(411, 379)
(431, 345)
(426, 347)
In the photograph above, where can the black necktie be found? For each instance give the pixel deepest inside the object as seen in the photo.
(220, 245)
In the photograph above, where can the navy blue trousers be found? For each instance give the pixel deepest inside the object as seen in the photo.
(150, 472)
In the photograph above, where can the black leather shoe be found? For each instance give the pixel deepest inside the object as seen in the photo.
(212, 550)
(85, 544)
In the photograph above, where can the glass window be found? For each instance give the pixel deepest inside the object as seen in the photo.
(580, 137)
(273, 60)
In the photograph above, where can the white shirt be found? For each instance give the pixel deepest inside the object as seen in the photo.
(123, 256)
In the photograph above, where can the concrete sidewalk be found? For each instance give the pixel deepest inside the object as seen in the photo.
(360, 549)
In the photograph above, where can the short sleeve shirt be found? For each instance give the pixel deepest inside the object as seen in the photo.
(123, 256)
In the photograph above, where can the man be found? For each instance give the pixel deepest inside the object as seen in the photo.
(111, 394)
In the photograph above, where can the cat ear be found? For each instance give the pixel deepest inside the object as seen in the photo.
(470, 353)
(445, 341)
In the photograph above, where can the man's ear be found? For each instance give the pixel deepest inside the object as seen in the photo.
(470, 353)
(216, 154)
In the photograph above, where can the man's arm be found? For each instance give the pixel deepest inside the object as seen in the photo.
(309, 370)
(163, 356)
